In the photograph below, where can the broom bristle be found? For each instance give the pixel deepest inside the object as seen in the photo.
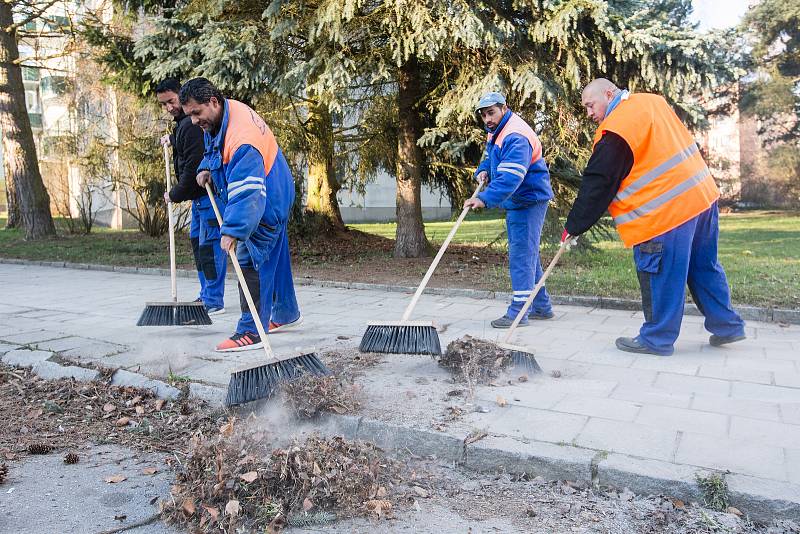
(262, 381)
(401, 339)
(525, 361)
(174, 314)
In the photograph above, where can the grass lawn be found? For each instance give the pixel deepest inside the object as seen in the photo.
(760, 251)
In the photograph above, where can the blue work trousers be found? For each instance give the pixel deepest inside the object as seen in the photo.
(270, 285)
(524, 229)
(666, 264)
(209, 258)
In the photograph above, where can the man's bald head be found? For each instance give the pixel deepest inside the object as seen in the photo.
(596, 96)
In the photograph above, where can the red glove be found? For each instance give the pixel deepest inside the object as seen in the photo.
(564, 236)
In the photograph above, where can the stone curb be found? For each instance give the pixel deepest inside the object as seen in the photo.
(760, 499)
(748, 313)
(161, 389)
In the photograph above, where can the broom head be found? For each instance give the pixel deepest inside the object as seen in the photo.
(261, 380)
(174, 314)
(522, 358)
(408, 337)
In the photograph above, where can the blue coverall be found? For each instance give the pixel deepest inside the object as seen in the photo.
(522, 188)
(212, 263)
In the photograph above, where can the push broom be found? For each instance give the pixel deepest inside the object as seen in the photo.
(411, 337)
(173, 313)
(521, 357)
(261, 380)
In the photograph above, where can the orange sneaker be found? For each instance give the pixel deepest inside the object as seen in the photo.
(239, 342)
(280, 327)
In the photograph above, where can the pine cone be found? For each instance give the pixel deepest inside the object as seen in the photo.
(71, 458)
(38, 448)
(3, 472)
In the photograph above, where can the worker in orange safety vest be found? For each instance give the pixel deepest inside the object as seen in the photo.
(647, 171)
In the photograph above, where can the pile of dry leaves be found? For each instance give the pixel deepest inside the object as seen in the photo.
(311, 395)
(62, 414)
(241, 480)
(475, 360)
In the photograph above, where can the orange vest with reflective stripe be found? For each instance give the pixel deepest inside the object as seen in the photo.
(669, 182)
(516, 125)
(246, 127)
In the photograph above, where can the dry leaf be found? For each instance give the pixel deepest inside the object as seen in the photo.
(160, 404)
(249, 477)
(227, 429)
(139, 410)
(213, 512)
(136, 400)
(308, 504)
(232, 508)
(501, 401)
(123, 421)
(381, 492)
(188, 507)
(378, 506)
(316, 470)
(115, 479)
(150, 471)
(679, 504)
(108, 407)
(420, 492)
(735, 511)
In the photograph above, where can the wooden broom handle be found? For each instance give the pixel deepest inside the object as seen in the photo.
(535, 291)
(243, 283)
(435, 263)
(171, 218)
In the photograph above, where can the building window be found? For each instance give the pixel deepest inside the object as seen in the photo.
(54, 86)
(30, 74)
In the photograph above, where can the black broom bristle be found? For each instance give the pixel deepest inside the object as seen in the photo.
(401, 339)
(262, 381)
(525, 361)
(174, 314)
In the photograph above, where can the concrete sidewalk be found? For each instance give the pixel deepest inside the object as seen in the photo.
(735, 408)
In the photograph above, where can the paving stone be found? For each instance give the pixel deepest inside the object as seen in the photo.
(724, 453)
(727, 372)
(683, 419)
(744, 390)
(161, 389)
(93, 350)
(764, 432)
(28, 338)
(790, 412)
(748, 361)
(683, 366)
(54, 371)
(533, 424)
(58, 345)
(746, 408)
(791, 380)
(793, 464)
(692, 384)
(528, 394)
(627, 438)
(7, 347)
(764, 500)
(648, 395)
(25, 358)
(617, 410)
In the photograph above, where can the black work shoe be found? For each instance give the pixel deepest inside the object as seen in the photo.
(541, 316)
(718, 341)
(505, 322)
(631, 344)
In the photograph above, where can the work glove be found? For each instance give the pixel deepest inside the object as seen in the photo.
(570, 240)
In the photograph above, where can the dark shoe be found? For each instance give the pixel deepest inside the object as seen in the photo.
(239, 342)
(718, 341)
(631, 344)
(541, 316)
(505, 322)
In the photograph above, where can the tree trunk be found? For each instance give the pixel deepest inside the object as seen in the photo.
(19, 149)
(11, 199)
(322, 183)
(410, 240)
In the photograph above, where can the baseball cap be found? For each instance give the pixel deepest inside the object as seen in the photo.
(490, 99)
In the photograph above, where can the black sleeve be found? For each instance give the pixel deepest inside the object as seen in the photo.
(189, 146)
(610, 163)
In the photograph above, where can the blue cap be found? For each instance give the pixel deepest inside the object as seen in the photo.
(490, 99)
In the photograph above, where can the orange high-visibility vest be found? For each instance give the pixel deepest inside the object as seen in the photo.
(246, 127)
(516, 125)
(669, 182)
